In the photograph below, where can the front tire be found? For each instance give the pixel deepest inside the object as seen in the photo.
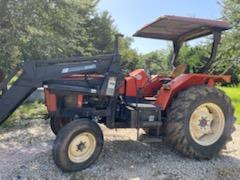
(200, 121)
(77, 145)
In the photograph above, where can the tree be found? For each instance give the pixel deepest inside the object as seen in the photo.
(129, 57)
(157, 62)
(102, 33)
(31, 30)
(228, 60)
(194, 56)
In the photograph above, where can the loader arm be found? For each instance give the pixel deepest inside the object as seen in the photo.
(34, 74)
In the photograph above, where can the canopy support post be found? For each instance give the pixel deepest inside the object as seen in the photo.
(176, 48)
(216, 41)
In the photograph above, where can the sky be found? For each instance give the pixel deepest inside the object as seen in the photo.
(131, 15)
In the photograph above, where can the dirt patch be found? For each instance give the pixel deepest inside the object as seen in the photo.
(25, 153)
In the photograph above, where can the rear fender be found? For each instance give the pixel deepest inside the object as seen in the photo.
(185, 81)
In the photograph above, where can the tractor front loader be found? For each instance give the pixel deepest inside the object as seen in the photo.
(194, 117)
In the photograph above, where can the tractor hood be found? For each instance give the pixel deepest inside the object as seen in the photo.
(177, 28)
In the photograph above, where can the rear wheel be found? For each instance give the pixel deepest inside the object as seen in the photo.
(77, 145)
(200, 121)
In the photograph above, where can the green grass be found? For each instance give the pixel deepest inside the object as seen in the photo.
(234, 94)
(27, 111)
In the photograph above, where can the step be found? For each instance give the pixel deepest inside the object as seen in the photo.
(150, 139)
(148, 124)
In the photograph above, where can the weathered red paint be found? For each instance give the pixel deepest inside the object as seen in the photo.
(79, 100)
(50, 100)
(130, 88)
(211, 82)
(185, 81)
(153, 85)
(137, 79)
(161, 87)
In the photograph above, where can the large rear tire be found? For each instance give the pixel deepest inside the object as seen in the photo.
(200, 122)
(77, 145)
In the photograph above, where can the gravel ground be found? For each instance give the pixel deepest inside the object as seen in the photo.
(25, 153)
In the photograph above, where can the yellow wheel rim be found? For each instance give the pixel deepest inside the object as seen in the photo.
(82, 147)
(207, 124)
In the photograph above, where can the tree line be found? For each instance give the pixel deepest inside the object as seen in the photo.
(33, 29)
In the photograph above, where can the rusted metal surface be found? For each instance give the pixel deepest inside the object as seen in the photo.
(50, 100)
(176, 28)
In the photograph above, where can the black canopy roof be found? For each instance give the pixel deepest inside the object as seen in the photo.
(176, 28)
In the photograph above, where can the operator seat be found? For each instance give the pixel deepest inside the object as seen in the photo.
(181, 69)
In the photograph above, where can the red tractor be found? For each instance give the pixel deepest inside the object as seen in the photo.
(185, 108)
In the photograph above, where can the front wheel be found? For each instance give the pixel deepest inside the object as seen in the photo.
(200, 121)
(77, 145)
